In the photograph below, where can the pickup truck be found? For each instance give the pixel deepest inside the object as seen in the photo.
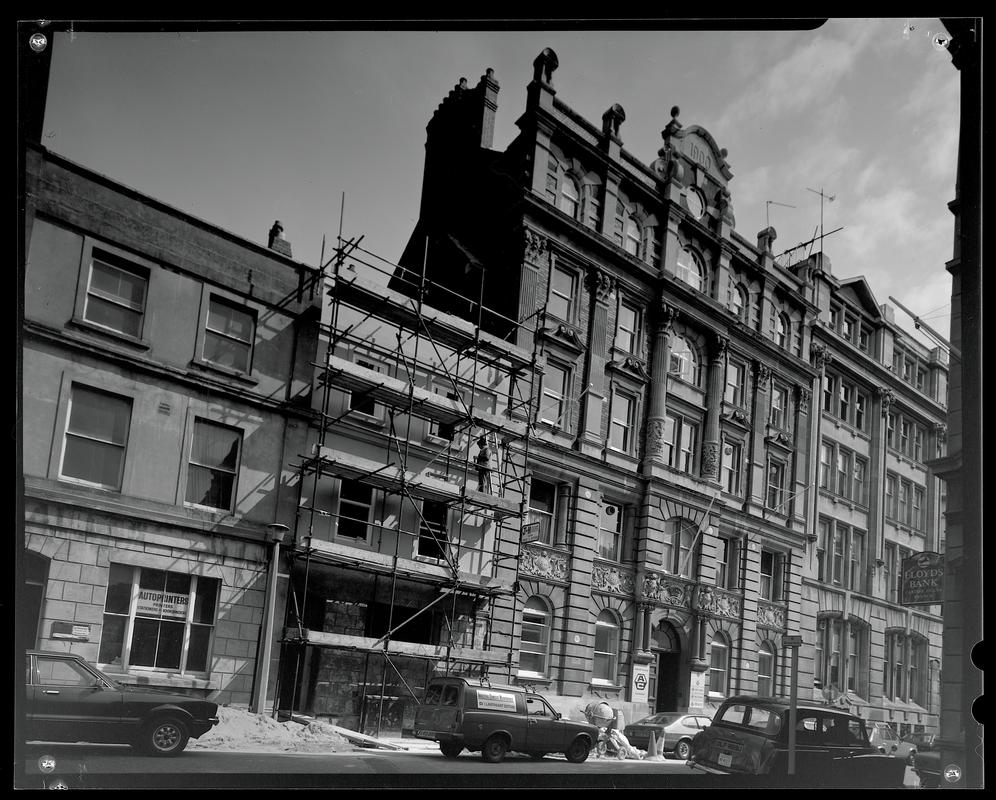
(476, 715)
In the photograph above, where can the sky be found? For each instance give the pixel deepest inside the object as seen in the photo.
(318, 128)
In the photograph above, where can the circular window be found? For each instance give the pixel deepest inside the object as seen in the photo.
(695, 203)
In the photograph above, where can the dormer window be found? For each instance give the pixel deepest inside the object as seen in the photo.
(632, 240)
(570, 197)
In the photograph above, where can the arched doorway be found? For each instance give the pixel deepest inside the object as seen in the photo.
(666, 644)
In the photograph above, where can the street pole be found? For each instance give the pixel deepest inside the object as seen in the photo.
(276, 535)
(793, 642)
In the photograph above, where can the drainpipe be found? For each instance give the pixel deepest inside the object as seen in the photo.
(275, 535)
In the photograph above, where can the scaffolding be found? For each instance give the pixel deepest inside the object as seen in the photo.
(471, 460)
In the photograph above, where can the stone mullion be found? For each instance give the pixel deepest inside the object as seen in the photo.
(714, 400)
(657, 406)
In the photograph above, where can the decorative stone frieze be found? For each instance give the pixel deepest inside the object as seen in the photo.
(719, 603)
(667, 317)
(606, 578)
(719, 344)
(802, 397)
(544, 563)
(819, 355)
(886, 397)
(780, 437)
(655, 438)
(666, 590)
(710, 458)
(771, 615)
(739, 416)
(536, 247)
(762, 373)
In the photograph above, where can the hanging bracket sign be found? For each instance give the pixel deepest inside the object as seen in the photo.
(922, 580)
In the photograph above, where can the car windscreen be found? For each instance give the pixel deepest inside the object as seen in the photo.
(659, 719)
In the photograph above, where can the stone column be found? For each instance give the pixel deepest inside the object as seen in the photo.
(563, 513)
(601, 287)
(657, 404)
(714, 402)
(761, 399)
(876, 504)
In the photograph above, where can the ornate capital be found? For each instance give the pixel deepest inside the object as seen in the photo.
(886, 397)
(667, 315)
(536, 247)
(762, 373)
(819, 355)
(719, 344)
(941, 431)
(600, 284)
(655, 439)
(802, 395)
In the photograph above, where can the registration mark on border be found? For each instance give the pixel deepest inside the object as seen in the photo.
(725, 759)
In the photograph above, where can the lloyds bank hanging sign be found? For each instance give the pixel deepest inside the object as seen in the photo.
(921, 580)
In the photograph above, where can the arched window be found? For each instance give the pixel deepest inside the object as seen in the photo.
(570, 197)
(633, 238)
(689, 270)
(680, 536)
(534, 647)
(766, 670)
(684, 362)
(740, 302)
(782, 328)
(606, 647)
(719, 664)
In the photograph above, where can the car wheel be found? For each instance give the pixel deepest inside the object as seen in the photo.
(578, 750)
(164, 736)
(494, 749)
(683, 750)
(450, 749)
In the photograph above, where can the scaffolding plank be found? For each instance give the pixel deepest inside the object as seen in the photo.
(368, 644)
(445, 328)
(421, 571)
(344, 374)
(390, 477)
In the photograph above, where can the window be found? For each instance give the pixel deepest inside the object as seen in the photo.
(894, 673)
(214, 465)
(847, 331)
(846, 546)
(740, 302)
(843, 473)
(904, 501)
(96, 437)
(680, 437)
(735, 394)
(553, 403)
(610, 532)
(563, 289)
(844, 407)
(158, 619)
(828, 655)
(432, 541)
(776, 485)
(115, 295)
(535, 640)
(633, 238)
(854, 658)
(679, 557)
(890, 573)
(839, 546)
(355, 507)
(684, 361)
(860, 403)
(542, 508)
(728, 563)
(783, 328)
(732, 464)
(360, 401)
(229, 335)
(823, 541)
(891, 496)
(916, 512)
(779, 417)
(835, 315)
(719, 662)
(860, 492)
(845, 401)
(772, 575)
(857, 558)
(570, 197)
(689, 270)
(622, 417)
(829, 393)
(628, 328)
(54, 671)
(766, 670)
(864, 339)
(593, 206)
(826, 459)
(606, 648)
(445, 430)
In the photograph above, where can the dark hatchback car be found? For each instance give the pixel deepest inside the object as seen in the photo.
(69, 700)
(748, 736)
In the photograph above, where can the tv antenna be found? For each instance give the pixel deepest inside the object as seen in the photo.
(828, 198)
(767, 205)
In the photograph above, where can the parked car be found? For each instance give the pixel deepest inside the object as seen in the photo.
(887, 741)
(461, 713)
(922, 741)
(928, 769)
(748, 736)
(70, 700)
(675, 728)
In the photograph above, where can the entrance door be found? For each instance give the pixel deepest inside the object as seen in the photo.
(668, 667)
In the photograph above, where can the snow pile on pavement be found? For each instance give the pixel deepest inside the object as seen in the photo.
(239, 729)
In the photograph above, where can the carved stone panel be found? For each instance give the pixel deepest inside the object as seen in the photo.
(607, 578)
(544, 563)
(536, 248)
(771, 615)
(719, 603)
(710, 458)
(666, 590)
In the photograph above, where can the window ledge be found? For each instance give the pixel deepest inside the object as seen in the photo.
(365, 419)
(100, 330)
(158, 679)
(228, 372)
(531, 678)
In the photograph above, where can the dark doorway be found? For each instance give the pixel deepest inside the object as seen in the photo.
(666, 644)
(35, 578)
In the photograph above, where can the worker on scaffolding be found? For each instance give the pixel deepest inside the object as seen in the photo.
(484, 465)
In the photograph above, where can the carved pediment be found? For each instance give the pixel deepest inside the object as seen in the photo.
(563, 334)
(738, 417)
(631, 366)
(780, 438)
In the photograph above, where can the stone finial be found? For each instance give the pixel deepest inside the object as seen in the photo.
(544, 66)
(612, 119)
(673, 126)
(276, 240)
(765, 238)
